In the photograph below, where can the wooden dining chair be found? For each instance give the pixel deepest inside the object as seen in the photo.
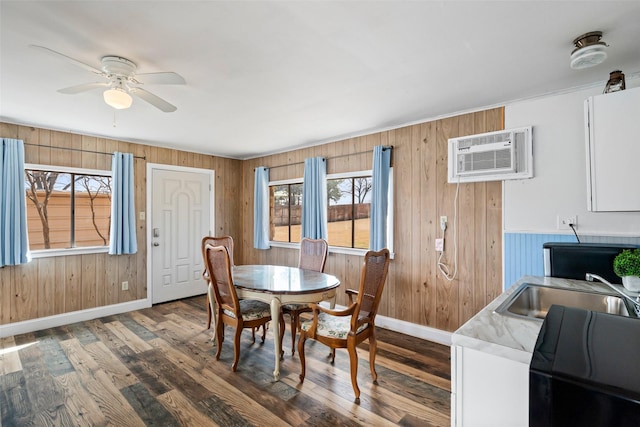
(313, 256)
(230, 310)
(226, 241)
(348, 328)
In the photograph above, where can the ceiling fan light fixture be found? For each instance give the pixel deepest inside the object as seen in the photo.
(589, 51)
(117, 98)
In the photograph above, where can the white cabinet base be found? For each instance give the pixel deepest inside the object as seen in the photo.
(488, 390)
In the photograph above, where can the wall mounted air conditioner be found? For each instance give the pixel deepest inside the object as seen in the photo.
(492, 156)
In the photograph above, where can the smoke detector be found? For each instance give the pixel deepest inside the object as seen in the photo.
(589, 50)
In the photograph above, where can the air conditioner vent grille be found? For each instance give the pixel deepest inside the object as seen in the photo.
(492, 156)
(490, 160)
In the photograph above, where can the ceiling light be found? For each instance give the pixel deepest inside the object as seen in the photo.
(589, 50)
(117, 98)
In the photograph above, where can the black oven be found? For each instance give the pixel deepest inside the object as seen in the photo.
(585, 370)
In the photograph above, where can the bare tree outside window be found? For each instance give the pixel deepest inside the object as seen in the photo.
(361, 187)
(40, 187)
(95, 186)
(67, 209)
(348, 211)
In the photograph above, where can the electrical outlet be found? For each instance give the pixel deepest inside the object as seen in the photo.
(564, 221)
(443, 222)
(125, 286)
(439, 245)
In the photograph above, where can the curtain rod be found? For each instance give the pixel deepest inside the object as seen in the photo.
(385, 148)
(78, 149)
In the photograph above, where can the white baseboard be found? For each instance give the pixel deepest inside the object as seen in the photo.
(26, 326)
(414, 330)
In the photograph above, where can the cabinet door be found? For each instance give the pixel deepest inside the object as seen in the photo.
(613, 151)
(488, 390)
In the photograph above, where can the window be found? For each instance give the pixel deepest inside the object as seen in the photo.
(285, 212)
(348, 211)
(67, 208)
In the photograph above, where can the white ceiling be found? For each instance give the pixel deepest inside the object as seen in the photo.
(268, 76)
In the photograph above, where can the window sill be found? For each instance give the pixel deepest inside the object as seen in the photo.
(332, 249)
(46, 253)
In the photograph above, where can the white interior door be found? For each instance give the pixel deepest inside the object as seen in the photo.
(181, 215)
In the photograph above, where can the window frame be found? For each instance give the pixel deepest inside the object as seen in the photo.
(341, 249)
(286, 182)
(278, 243)
(46, 253)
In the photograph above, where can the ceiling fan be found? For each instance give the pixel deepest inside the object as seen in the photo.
(123, 81)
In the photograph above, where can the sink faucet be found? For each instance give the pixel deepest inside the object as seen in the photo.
(636, 302)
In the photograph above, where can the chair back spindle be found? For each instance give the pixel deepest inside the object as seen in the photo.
(372, 280)
(226, 241)
(219, 269)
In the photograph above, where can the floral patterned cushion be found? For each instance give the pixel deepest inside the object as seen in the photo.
(294, 306)
(332, 326)
(252, 310)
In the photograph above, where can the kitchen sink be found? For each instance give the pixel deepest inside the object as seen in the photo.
(533, 302)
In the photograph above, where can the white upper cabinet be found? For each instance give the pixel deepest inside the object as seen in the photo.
(613, 151)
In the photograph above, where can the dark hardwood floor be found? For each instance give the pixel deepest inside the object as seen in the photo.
(157, 367)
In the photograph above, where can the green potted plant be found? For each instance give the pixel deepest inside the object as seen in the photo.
(627, 265)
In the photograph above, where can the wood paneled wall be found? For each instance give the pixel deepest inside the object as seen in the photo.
(55, 285)
(416, 291)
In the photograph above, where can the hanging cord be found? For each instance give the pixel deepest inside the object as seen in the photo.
(444, 269)
(573, 227)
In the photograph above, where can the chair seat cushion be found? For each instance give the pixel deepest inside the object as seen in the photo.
(296, 307)
(332, 326)
(252, 310)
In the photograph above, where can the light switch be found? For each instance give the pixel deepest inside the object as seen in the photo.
(142, 216)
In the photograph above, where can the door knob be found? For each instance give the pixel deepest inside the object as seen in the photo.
(156, 244)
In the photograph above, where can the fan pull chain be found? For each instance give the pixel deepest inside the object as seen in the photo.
(114, 118)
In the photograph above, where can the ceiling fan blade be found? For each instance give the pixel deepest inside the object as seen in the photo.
(72, 90)
(154, 100)
(165, 78)
(69, 59)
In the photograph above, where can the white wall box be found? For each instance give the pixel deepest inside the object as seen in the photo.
(613, 151)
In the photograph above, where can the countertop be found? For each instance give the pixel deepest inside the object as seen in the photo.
(507, 336)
